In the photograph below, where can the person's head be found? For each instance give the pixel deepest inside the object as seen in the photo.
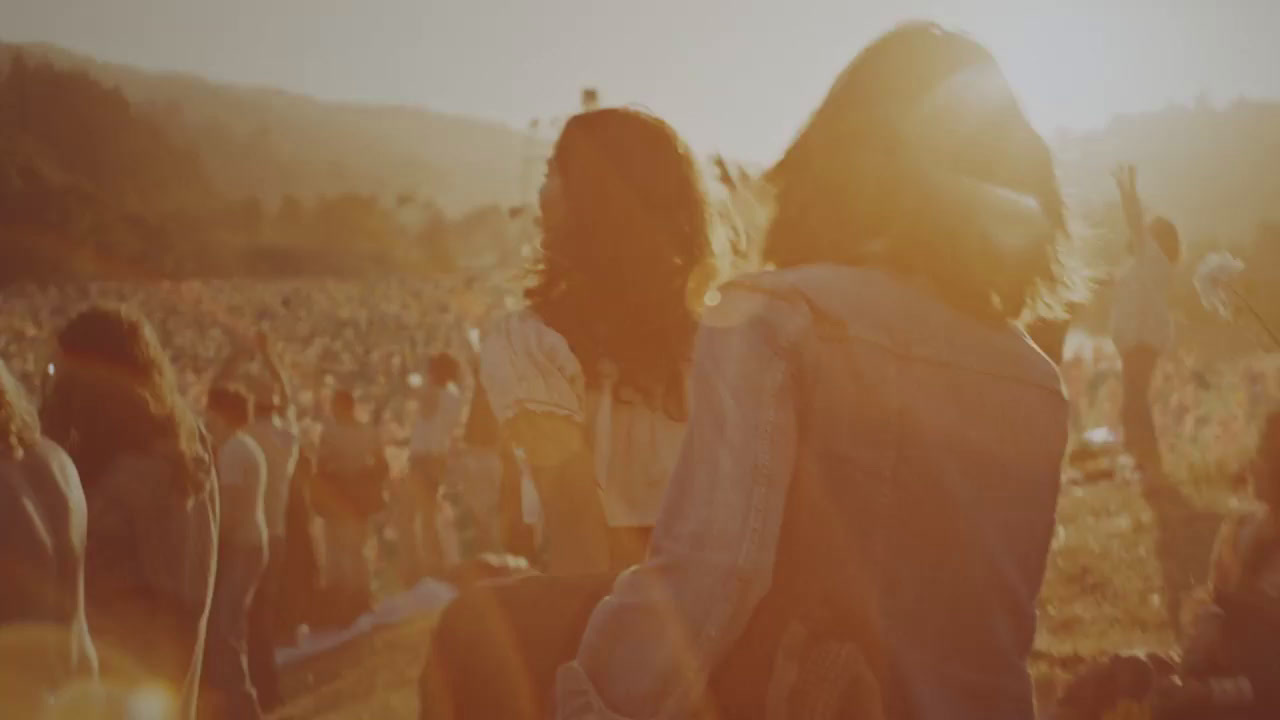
(920, 161)
(442, 369)
(1266, 478)
(344, 405)
(113, 392)
(229, 409)
(625, 247)
(265, 407)
(19, 424)
(1165, 235)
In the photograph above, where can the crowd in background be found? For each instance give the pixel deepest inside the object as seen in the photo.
(741, 495)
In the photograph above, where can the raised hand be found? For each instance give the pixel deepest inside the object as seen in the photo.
(1126, 178)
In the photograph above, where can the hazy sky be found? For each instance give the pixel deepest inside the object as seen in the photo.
(733, 75)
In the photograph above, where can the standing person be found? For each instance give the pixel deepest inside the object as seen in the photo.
(242, 556)
(151, 492)
(590, 383)
(440, 420)
(473, 484)
(860, 516)
(1141, 326)
(42, 546)
(590, 380)
(275, 431)
(352, 467)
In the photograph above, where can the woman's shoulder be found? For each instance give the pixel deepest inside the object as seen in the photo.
(520, 333)
(525, 364)
(773, 303)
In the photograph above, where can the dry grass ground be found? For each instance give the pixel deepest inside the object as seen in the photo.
(1125, 567)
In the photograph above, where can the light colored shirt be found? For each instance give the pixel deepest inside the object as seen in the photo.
(242, 484)
(1140, 310)
(439, 423)
(526, 366)
(280, 445)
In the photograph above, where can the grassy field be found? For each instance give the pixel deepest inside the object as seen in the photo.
(1124, 572)
(1124, 566)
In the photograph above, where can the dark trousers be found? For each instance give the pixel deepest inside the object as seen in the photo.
(495, 651)
(1139, 364)
(264, 629)
(228, 690)
(421, 543)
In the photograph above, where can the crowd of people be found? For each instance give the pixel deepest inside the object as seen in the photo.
(824, 488)
(226, 487)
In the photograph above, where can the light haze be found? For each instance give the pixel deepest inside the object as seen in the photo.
(738, 76)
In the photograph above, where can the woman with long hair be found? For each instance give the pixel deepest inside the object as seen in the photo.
(148, 477)
(860, 516)
(44, 638)
(590, 380)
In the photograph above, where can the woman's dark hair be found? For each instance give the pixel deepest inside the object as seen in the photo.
(443, 368)
(915, 162)
(233, 405)
(19, 424)
(114, 393)
(619, 276)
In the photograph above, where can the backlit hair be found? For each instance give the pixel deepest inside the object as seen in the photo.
(921, 161)
(115, 393)
(615, 277)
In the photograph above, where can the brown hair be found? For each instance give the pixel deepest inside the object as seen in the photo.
(232, 404)
(614, 278)
(902, 165)
(115, 393)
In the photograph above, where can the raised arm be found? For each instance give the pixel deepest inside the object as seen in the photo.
(1126, 179)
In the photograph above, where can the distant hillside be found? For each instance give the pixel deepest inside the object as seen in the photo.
(94, 185)
(269, 143)
(104, 167)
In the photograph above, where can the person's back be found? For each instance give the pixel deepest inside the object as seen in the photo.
(926, 468)
(439, 422)
(150, 567)
(42, 544)
(1140, 313)
(151, 498)
(242, 481)
(859, 519)
(280, 446)
(242, 557)
(348, 449)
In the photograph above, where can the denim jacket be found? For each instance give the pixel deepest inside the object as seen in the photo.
(939, 435)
